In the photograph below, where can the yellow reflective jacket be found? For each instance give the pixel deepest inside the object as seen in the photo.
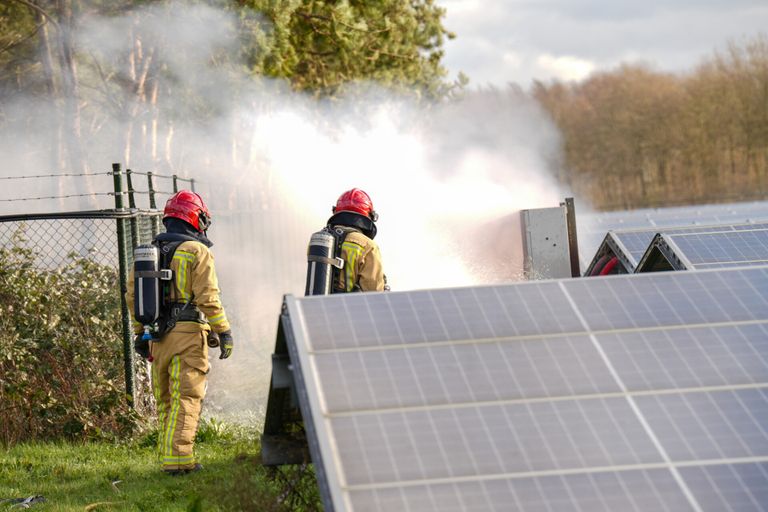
(362, 265)
(194, 281)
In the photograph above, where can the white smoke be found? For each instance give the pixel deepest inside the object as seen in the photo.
(270, 163)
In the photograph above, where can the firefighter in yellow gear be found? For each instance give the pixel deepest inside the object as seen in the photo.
(362, 271)
(193, 320)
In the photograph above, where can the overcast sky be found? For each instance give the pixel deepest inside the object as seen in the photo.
(501, 41)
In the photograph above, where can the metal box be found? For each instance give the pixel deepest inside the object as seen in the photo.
(547, 240)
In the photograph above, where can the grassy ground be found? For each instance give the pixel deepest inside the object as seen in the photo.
(126, 476)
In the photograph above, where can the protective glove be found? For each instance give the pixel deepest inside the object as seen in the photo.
(226, 344)
(141, 346)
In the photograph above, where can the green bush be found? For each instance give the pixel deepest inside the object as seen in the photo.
(61, 362)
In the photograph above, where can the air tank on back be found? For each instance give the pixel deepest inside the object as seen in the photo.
(146, 284)
(321, 261)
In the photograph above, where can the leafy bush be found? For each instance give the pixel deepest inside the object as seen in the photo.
(61, 363)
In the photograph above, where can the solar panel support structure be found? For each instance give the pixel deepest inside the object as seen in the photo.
(662, 255)
(546, 251)
(573, 242)
(612, 247)
(289, 436)
(283, 440)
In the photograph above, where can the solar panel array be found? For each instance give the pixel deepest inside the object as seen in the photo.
(592, 227)
(641, 392)
(631, 245)
(709, 250)
(637, 242)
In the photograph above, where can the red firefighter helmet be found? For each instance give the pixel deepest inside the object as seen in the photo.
(358, 201)
(188, 206)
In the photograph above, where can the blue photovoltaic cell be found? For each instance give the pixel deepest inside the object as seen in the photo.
(689, 357)
(466, 372)
(414, 445)
(346, 321)
(726, 247)
(634, 243)
(534, 309)
(624, 491)
(637, 242)
(709, 425)
(729, 487)
(667, 300)
(593, 227)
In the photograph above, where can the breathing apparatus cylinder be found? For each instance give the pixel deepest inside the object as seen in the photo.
(147, 288)
(321, 260)
(146, 285)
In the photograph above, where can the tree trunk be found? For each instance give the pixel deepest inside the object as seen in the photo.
(155, 113)
(69, 88)
(46, 57)
(140, 62)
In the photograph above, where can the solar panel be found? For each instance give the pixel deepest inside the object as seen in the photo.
(592, 227)
(689, 251)
(630, 245)
(637, 242)
(748, 247)
(626, 392)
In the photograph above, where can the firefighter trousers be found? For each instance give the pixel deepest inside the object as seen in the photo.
(179, 374)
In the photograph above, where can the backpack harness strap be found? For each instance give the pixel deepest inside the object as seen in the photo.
(340, 233)
(173, 312)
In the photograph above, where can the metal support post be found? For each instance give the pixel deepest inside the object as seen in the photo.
(135, 238)
(153, 205)
(573, 243)
(122, 248)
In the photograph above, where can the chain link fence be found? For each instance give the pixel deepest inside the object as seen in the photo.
(105, 237)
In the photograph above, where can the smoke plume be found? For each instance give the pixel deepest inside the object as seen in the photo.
(446, 179)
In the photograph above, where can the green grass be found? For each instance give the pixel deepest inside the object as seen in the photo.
(101, 476)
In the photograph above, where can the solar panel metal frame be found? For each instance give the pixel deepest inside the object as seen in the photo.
(753, 240)
(661, 253)
(283, 439)
(322, 445)
(317, 436)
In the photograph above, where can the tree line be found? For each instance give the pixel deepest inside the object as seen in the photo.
(144, 72)
(635, 137)
(632, 136)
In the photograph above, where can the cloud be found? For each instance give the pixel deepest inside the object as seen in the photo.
(672, 36)
(565, 68)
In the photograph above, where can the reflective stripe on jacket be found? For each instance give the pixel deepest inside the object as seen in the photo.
(362, 264)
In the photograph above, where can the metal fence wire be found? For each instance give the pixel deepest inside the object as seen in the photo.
(56, 241)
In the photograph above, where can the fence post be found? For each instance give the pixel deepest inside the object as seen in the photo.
(155, 220)
(123, 271)
(192, 184)
(151, 186)
(135, 239)
(175, 183)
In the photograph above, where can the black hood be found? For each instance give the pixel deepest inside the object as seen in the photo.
(177, 229)
(354, 220)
